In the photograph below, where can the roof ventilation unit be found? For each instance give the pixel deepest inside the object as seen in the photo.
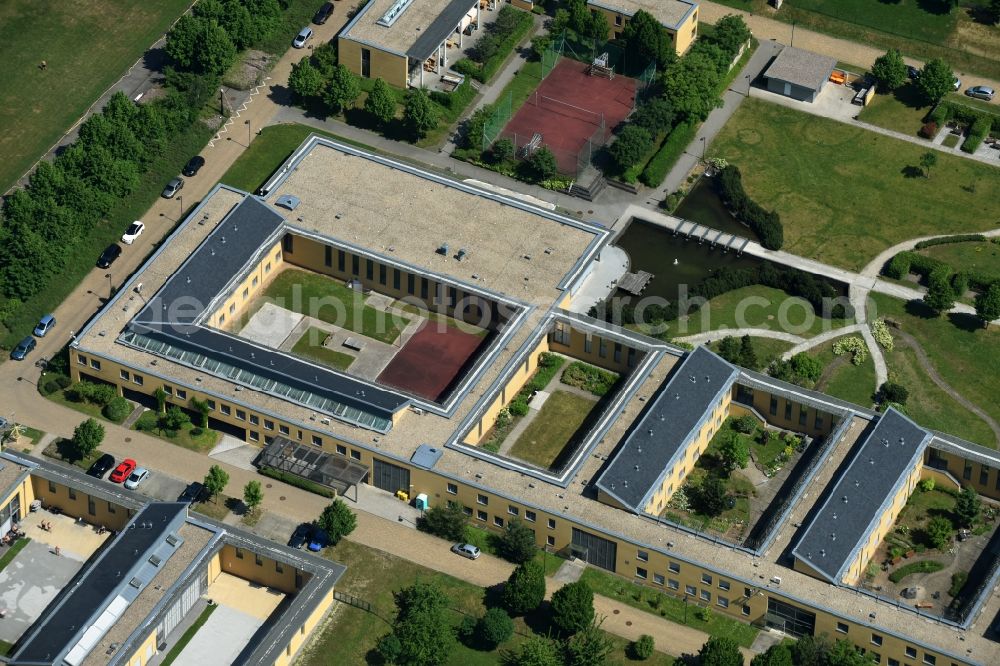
(443, 249)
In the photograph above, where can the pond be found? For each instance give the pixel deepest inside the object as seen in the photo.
(674, 260)
(703, 205)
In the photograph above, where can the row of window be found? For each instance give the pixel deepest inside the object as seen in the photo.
(563, 334)
(803, 413)
(984, 474)
(91, 502)
(94, 363)
(246, 293)
(876, 640)
(259, 561)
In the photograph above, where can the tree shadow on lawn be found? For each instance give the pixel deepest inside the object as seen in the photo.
(965, 322)
(910, 171)
(68, 451)
(920, 309)
(935, 7)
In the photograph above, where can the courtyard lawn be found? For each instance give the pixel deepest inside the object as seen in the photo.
(189, 436)
(844, 380)
(373, 576)
(902, 110)
(273, 146)
(845, 193)
(328, 300)
(311, 346)
(672, 608)
(767, 349)
(37, 107)
(755, 306)
(552, 429)
(975, 256)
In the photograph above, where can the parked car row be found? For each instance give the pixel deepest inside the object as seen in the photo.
(26, 346)
(980, 92)
(127, 472)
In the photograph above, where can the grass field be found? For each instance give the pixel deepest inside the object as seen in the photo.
(902, 110)
(854, 383)
(767, 349)
(326, 299)
(551, 430)
(37, 107)
(827, 179)
(756, 306)
(373, 575)
(311, 346)
(966, 355)
(919, 28)
(981, 257)
(202, 442)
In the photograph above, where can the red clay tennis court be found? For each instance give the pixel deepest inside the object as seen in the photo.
(567, 109)
(430, 360)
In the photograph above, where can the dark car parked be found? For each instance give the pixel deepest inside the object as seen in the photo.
(301, 535)
(23, 348)
(192, 493)
(101, 467)
(193, 166)
(109, 255)
(323, 13)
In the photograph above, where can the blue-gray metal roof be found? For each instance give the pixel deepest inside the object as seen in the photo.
(658, 438)
(123, 569)
(434, 35)
(838, 530)
(170, 324)
(426, 456)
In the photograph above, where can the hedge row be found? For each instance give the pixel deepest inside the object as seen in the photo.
(948, 240)
(297, 481)
(908, 262)
(502, 36)
(946, 111)
(665, 158)
(766, 224)
(927, 566)
(980, 128)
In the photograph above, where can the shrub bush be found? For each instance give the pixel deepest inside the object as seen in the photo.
(745, 424)
(63, 382)
(117, 409)
(766, 224)
(509, 28)
(495, 627)
(958, 580)
(518, 406)
(642, 649)
(947, 240)
(929, 130)
(668, 154)
(927, 566)
(296, 481)
(588, 378)
(980, 128)
(148, 422)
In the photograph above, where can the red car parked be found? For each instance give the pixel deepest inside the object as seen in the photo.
(122, 472)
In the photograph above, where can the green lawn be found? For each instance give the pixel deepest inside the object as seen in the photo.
(755, 306)
(12, 552)
(845, 193)
(974, 256)
(671, 608)
(63, 449)
(767, 349)
(189, 634)
(917, 27)
(552, 429)
(37, 107)
(854, 383)
(902, 110)
(201, 442)
(328, 300)
(966, 355)
(272, 146)
(311, 346)
(217, 507)
(373, 575)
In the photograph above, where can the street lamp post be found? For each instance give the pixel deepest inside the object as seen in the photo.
(748, 77)
(180, 198)
(111, 288)
(793, 34)
(703, 148)
(247, 123)
(222, 101)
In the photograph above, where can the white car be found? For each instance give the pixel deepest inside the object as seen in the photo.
(466, 550)
(134, 231)
(138, 475)
(305, 34)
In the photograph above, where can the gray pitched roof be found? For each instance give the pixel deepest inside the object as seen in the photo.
(444, 24)
(802, 68)
(238, 242)
(861, 495)
(661, 434)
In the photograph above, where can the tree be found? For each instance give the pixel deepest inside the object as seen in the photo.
(927, 161)
(691, 83)
(712, 496)
(175, 419)
(389, 648)
(646, 40)
(337, 520)
(748, 355)
(632, 144)
(421, 626)
(734, 453)
(776, 655)
(536, 651)
(890, 70)
(940, 295)
(579, 15)
(589, 647)
(446, 521)
(939, 531)
(845, 653)
(305, 80)
(161, 399)
(342, 89)
(381, 104)
(968, 507)
(525, 589)
(215, 481)
(87, 437)
(573, 607)
(494, 627)
(656, 115)
(993, 13)
(892, 392)
(988, 304)
(517, 543)
(200, 44)
(502, 150)
(542, 164)
(936, 80)
(719, 651)
(203, 409)
(597, 27)
(729, 349)
(806, 366)
(419, 114)
(642, 649)
(811, 650)
(253, 495)
(731, 32)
